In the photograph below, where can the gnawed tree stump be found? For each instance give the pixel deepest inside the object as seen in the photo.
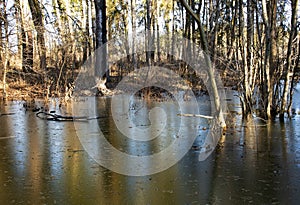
(102, 90)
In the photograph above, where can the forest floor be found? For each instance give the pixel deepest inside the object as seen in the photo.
(30, 85)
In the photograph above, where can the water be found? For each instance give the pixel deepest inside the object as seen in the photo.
(44, 162)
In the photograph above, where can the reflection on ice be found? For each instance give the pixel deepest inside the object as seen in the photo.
(44, 162)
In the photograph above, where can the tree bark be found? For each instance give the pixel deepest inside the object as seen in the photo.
(157, 31)
(101, 39)
(133, 24)
(266, 83)
(173, 31)
(86, 50)
(37, 17)
(148, 33)
(26, 50)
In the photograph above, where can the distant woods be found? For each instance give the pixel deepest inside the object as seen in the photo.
(253, 44)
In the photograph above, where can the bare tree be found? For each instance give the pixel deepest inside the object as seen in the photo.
(210, 70)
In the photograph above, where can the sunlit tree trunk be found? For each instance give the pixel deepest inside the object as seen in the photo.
(215, 29)
(246, 43)
(231, 42)
(168, 17)
(25, 41)
(133, 24)
(125, 21)
(87, 47)
(148, 32)
(251, 44)
(273, 56)
(173, 31)
(210, 71)
(37, 17)
(157, 31)
(187, 32)
(20, 29)
(289, 69)
(1, 36)
(27, 45)
(269, 22)
(296, 65)
(4, 49)
(246, 99)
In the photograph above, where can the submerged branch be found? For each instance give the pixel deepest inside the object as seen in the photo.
(5, 114)
(195, 115)
(55, 117)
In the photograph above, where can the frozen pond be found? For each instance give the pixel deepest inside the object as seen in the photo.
(44, 162)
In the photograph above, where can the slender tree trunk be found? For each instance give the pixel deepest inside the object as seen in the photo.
(187, 32)
(37, 17)
(101, 39)
(1, 35)
(157, 31)
(25, 41)
(273, 57)
(148, 33)
(5, 65)
(214, 40)
(153, 27)
(232, 33)
(86, 49)
(173, 30)
(133, 23)
(210, 67)
(5, 50)
(296, 62)
(266, 83)
(27, 45)
(289, 72)
(19, 26)
(246, 100)
(125, 21)
(250, 43)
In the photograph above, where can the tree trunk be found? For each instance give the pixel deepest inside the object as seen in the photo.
(25, 41)
(125, 21)
(37, 17)
(296, 65)
(246, 100)
(101, 39)
(173, 31)
(148, 33)
(289, 67)
(157, 32)
(133, 24)
(210, 67)
(87, 47)
(266, 83)
(215, 30)
(5, 50)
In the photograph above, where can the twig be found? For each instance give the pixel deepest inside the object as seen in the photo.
(266, 121)
(195, 115)
(4, 114)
